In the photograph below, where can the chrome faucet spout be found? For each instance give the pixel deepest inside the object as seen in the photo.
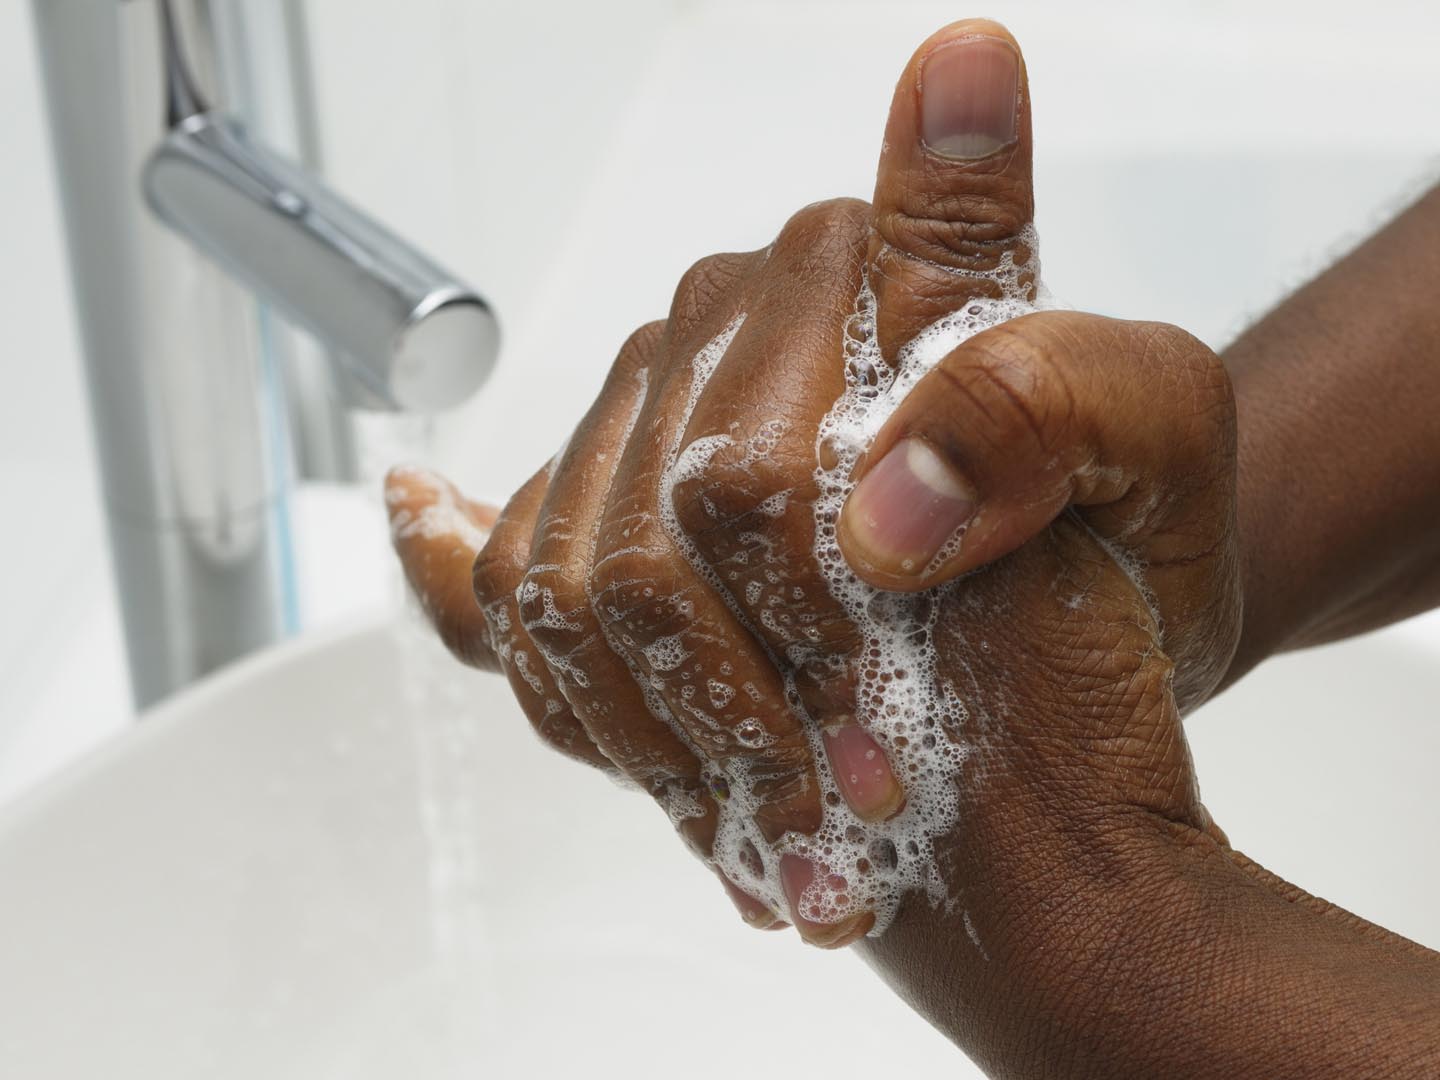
(409, 335)
(202, 403)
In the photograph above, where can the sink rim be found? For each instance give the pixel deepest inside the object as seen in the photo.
(187, 706)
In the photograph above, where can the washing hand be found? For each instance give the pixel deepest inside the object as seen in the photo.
(656, 597)
(1051, 508)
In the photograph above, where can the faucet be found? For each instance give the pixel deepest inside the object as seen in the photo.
(187, 238)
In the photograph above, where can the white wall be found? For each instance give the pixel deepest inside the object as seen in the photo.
(571, 158)
(1192, 164)
(52, 556)
(473, 127)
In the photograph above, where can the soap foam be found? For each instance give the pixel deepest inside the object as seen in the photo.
(902, 699)
(441, 517)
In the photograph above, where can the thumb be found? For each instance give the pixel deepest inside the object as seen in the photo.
(953, 193)
(1131, 424)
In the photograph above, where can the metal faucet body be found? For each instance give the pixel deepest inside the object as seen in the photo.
(186, 239)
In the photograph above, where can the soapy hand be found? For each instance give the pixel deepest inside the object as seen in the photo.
(891, 585)
(668, 598)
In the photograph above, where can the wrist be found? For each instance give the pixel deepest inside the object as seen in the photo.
(1059, 946)
(1273, 550)
(1337, 471)
(1158, 951)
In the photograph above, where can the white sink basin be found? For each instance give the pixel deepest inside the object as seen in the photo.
(301, 869)
(307, 868)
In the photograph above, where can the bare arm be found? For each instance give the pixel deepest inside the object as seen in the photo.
(1149, 949)
(1338, 393)
(1087, 918)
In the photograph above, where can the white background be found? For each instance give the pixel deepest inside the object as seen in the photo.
(1193, 163)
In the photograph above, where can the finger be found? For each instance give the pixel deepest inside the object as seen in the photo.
(619, 712)
(751, 910)
(664, 614)
(797, 874)
(495, 575)
(437, 532)
(953, 194)
(747, 501)
(1133, 423)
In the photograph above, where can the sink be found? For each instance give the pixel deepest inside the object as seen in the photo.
(309, 866)
(350, 858)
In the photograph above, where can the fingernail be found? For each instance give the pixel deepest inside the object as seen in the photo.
(796, 874)
(862, 772)
(968, 98)
(699, 832)
(903, 510)
(751, 910)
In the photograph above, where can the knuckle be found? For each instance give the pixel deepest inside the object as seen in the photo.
(637, 590)
(493, 579)
(967, 230)
(1015, 385)
(1210, 380)
(552, 605)
(784, 763)
(744, 482)
(556, 726)
(698, 833)
(640, 347)
(707, 282)
(493, 575)
(826, 216)
(834, 226)
(555, 612)
(782, 782)
(1195, 375)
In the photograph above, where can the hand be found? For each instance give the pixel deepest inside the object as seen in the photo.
(655, 599)
(1079, 474)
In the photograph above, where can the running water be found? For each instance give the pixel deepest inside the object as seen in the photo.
(450, 770)
(455, 1000)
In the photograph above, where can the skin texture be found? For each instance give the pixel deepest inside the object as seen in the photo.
(1098, 922)
(1337, 390)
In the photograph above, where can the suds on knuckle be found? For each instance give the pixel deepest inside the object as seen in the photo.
(641, 594)
(736, 492)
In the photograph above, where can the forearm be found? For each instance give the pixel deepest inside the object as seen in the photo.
(1276, 983)
(1168, 956)
(1338, 396)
